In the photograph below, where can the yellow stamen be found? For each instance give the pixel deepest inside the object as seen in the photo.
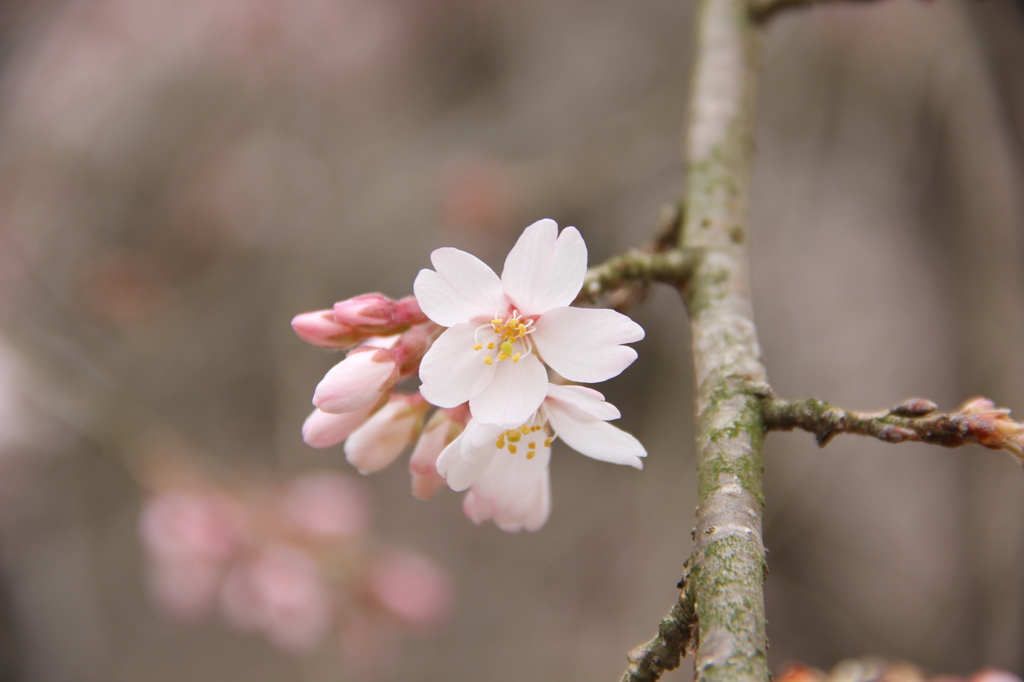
(548, 441)
(524, 429)
(515, 358)
(488, 360)
(500, 443)
(530, 454)
(490, 346)
(512, 449)
(478, 346)
(532, 445)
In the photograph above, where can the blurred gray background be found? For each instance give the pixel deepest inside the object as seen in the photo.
(178, 178)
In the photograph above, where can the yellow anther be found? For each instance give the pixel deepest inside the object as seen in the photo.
(488, 360)
(524, 429)
(500, 443)
(530, 454)
(490, 346)
(532, 445)
(535, 428)
(548, 441)
(515, 358)
(478, 346)
(497, 322)
(512, 449)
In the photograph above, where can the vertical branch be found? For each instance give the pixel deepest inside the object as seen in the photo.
(728, 563)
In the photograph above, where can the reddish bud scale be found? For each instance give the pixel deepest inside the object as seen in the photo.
(378, 314)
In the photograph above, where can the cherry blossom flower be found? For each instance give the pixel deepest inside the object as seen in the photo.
(501, 332)
(506, 470)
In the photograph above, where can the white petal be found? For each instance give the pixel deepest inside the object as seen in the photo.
(462, 290)
(588, 402)
(545, 269)
(322, 429)
(462, 462)
(597, 439)
(377, 443)
(581, 344)
(513, 491)
(514, 394)
(451, 371)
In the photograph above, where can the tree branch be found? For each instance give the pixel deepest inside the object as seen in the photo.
(977, 422)
(728, 562)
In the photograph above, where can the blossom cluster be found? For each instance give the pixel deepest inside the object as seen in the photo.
(292, 562)
(482, 346)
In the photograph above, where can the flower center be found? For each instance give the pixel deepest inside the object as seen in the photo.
(513, 439)
(505, 334)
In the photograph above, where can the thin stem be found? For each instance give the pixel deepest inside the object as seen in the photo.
(663, 653)
(636, 266)
(977, 422)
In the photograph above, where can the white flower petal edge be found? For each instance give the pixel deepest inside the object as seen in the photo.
(451, 375)
(513, 491)
(545, 269)
(502, 467)
(583, 344)
(463, 289)
(466, 457)
(513, 395)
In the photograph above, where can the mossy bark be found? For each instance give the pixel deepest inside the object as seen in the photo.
(728, 565)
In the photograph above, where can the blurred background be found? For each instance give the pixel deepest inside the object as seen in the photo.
(178, 178)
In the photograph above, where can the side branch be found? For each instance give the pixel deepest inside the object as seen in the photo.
(648, 661)
(977, 422)
(636, 266)
(764, 10)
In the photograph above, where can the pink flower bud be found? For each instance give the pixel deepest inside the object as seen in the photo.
(184, 590)
(379, 314)
(382, 438)
(326, 505)
(282, 593)
(185, 526)
(357, 381)
(411, 588)
(323, 429)
(444, 427)
(321, 329)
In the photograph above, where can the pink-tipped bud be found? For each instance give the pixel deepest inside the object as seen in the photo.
(992, 427)
(382, 438)
(323, 429)
(411, 588)
(379, 314)
(320, 328)
(326, 506)
(443, 428)
(357, 381)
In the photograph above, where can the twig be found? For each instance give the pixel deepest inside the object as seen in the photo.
(636, 266)
(625, 278)
(977, 422)
(648, 661)
(763, 11)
